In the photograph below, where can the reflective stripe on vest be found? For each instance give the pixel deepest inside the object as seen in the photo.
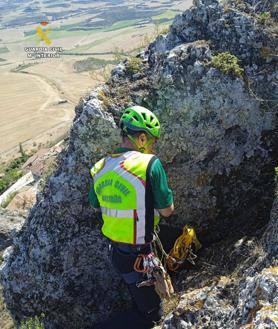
(120, 185)
(117, 213)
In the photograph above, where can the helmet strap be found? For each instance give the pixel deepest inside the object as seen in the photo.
(141, 149)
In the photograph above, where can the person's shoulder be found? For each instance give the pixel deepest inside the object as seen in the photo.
(145, 156)
(97, 167)
(156, 165)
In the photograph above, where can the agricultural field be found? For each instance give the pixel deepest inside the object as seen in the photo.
(38, 96)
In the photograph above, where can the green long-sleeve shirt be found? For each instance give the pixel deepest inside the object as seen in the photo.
(162, 194)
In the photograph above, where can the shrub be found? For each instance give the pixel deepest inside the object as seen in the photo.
(101, 75)
(12, 172)
(10, 177)
(263, 17)
(33, 323)
(21, 150)
(164, 30)
(227, 63)
(134, 64)
(104, 98)
(118, 54)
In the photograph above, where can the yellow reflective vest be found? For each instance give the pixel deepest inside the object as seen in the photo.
(124, 192)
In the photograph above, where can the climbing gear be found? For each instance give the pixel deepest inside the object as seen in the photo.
(163, 284)
(183, 249)
(119, 183)
(155, 274)
(138, 118)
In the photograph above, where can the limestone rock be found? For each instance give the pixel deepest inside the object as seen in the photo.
(10, 224)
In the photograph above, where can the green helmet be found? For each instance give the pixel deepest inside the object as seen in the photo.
(138, 118)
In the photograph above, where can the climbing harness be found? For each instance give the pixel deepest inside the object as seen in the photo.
(153, 268)
(154, 273)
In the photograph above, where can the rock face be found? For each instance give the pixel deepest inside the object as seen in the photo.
(219, 145)
(10, 224)
(246, 298)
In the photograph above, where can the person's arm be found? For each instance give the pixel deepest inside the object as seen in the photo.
(162, 194)
(166, 212)
(93, 198)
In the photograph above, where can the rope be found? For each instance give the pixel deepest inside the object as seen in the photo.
(181, 251)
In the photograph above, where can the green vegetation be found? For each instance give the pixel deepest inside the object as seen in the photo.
(33, 323)
(72, 30)
(29, 33)
(91, 63)
(104, 98)
(134, 65)
(12, 172)
(62, 33)
(148, 38)
(4, 50)
(164, 30)
(168, 14)
(119, 54)
(160, 29)
(227, 63)
(101, 75)
(22, 152)
(122, 24)
(9, 178)
(263, 17)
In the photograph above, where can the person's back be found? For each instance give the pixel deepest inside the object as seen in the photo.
(130, 188)
(124, 191)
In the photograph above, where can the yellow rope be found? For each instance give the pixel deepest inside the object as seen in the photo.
(182, 249)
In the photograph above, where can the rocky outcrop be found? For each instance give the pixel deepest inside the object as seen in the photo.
(10, 224)
(219, 145)
(243, 298)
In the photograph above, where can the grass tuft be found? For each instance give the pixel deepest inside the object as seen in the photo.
(134, 65)
(33, 323)
(227, 63)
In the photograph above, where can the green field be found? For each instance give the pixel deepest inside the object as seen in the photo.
(122, 24)
(168, 14)
(4, 50)
(66, 31)
(98, 42)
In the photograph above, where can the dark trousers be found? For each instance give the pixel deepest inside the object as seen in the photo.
(147, 304)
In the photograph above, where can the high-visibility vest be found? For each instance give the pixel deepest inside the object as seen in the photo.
(123, 189)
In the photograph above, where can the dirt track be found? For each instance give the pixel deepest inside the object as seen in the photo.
(37, 104)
